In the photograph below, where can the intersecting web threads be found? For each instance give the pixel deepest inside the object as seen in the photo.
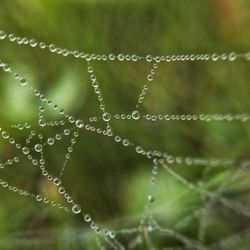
(149, 227)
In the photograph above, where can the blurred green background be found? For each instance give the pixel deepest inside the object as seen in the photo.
(110, 181)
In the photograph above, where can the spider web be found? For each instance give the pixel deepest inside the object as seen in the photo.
(151, 228)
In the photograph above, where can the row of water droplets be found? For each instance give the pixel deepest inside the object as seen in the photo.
(33, 43)
(135, 115)
(97, 90)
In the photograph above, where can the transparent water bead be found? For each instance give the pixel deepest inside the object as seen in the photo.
(150, 77)
(38, 148)
(2, 35)
(66, 131)
(61, 190)
(57, 181)
(125, 142)
(25, 150)
(51, 141)
(76, 209)
(111, 234)
(23, 81)
(151, 199)
(39, 198)
(136, 115)
(232, 56)
(106, 116)
(5, 135)
(79, 124)
(149, 58)
(87, 218)
(139, 149)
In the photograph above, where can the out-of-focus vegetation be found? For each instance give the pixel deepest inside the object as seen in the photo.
(111, 181)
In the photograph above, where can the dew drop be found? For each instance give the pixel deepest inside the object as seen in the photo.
(42, 45)
(136, 115)
(125, 142)
(111, 234)
(139, 149)
(118, 138)
(23, 81)
(51, 141)
(149, 58)
(150, 77)
(25, 150)
(2, 35)
(87, 218)
(106, 116)
(151, 199)
(58, 137)
(232, 56)
(57, 181)
(79, 123)
(39, 197)
(5, 135)
(38, 147)
(61, 190)
(66, 131)
(76, 209)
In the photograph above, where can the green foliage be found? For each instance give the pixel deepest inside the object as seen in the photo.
(110, 181)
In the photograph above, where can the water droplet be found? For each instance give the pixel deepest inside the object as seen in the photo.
(5, 135)
(42, 123)
(71, 119)
(51, 141)
(79, 123)
(57, 181)
(232, 56)
(139, 149)
(66, 131)
(76, 209)
(149, 58)
(215, 57)
(12, 37)
(112, 57)
(121, 57)
(150, 77)
(111, 234)
(2, 35)
(87, 218)
(118, 138)
(39, 197)
(42, 45)
(136, 115)
(151, 199)
(25, 150)
(125, 142)
(247, 56)
(52, 47)
(106, 116)
(58, 137)
(61, 190)
(33, 43)
(38, 147)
